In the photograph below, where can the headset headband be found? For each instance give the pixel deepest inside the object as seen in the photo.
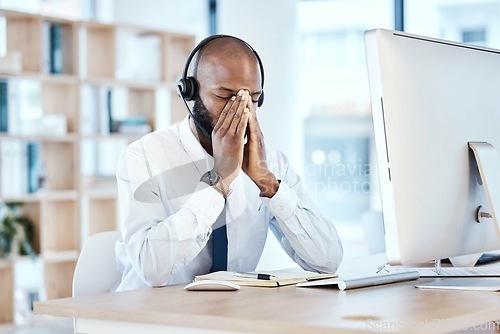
(210, 38)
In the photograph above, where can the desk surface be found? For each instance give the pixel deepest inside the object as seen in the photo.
(395, 307)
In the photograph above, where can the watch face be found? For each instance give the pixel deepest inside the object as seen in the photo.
(211, 177)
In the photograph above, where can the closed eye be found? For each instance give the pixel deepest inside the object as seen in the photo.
(223, 97)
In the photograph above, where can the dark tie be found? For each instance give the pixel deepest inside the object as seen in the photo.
(219, 244)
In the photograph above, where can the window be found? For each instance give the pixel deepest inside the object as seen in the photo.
(467, 21)
(474, 36)
(335, 105)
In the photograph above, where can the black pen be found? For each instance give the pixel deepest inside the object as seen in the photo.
(256, 276)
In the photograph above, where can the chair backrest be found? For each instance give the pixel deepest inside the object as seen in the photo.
(96, 270)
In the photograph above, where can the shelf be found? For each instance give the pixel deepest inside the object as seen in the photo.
(100, 193)
(100, 52)
(99, 209)
(23, 35)
(140, 85)
(58, 278)
(177, 47)
(43, 77)
(92, 183)
(111, 136)
(54, 195)
(59, 256)
(69, 138)
(59, 230)
(104, 85)
(23, 15)
(138, 29)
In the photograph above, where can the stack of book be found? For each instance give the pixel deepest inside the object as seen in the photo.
(132, 125)
(21, 167)
(104, 111)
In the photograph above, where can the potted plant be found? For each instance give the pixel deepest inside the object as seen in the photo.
(16, 231)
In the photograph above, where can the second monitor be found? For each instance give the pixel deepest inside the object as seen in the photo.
(430, 98)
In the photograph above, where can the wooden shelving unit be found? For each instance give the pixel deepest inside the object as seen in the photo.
(77, 201)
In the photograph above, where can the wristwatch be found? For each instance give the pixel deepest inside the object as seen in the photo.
(211, 178)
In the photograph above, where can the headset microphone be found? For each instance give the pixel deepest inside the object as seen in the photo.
(187, 86)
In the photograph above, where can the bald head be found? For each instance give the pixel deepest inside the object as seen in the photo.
(220, 51)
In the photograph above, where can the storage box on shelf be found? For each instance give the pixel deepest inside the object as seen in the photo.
(76, 97)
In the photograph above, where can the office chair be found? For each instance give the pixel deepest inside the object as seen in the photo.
(95, 270)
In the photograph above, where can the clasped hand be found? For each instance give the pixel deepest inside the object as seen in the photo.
(231, 153)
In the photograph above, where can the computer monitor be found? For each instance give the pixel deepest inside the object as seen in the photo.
(430, 98)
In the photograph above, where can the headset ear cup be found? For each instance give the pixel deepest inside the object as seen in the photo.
(187, 88)
(192, 88)
(261, 99)
(181, 87)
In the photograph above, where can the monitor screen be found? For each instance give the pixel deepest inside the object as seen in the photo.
(429, 99)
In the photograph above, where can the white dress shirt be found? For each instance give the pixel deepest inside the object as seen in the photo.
(167, 214)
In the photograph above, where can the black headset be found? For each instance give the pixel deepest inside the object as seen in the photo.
(187, 86)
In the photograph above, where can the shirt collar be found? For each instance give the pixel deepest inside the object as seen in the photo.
(191, 143)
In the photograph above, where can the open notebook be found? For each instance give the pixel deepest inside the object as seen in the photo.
(280, 278)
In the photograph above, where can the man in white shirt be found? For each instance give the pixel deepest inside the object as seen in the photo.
(210, 178)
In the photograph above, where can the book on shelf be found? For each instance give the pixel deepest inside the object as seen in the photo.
(9, 106)
(34, 166)
(112, 103)
(272, 278)
(45, 46)
(4, 111)
(89, 105)
(20, 167)
(22, 112)
(55, 47)
(5, 166)
(109, 110)
(132, 125)
(100, 158)
(104, 111)
(14, 167)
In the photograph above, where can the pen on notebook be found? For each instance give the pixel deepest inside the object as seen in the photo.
(256, 275)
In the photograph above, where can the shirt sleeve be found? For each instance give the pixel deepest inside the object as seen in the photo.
(305, 234)
(159, 247)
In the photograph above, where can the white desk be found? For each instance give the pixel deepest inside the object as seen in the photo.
(395, 307)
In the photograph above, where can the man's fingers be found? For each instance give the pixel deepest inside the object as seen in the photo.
(224, 128)
(242, 125)
(239, 111)
(224, 113)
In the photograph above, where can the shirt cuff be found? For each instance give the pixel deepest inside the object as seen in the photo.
(206, 203)
(283, 204)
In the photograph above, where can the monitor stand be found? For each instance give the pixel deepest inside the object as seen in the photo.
(488, 163)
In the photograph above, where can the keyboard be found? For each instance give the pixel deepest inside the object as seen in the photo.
(448, 271)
